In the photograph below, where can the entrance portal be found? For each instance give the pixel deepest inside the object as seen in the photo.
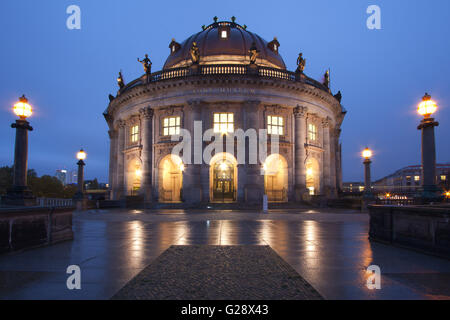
(170, 179)
(276, 178)
(223, 175)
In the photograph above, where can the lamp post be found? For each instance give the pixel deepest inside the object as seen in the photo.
(81, 155)
(20, 194)
(429, 189)
(367, 154)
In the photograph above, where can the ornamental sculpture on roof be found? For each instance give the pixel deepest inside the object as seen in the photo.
(147, 64)
(195, 54)
(300, 63)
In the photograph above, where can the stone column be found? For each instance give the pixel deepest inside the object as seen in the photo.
(120, 191)
(147, 152)
(367, 177)
(429, 188)
(326, 157)
(254, 183)
(192, 189)
(333, 159)
(20, 194)
(300, 152)
(112, 160)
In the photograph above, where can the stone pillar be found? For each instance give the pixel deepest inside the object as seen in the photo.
(80, 181)
(147, 152)
(254, 183)
(333, 159)
(429, 188)
(300, 152)
(192, 189)
(120, 186)
(20, 194)
(112, 160)
(367, 177)
(326, 158)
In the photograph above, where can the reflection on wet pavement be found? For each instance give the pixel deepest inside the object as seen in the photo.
(332, 254)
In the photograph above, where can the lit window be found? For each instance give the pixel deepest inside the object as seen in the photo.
(173, 48)
(275, 125)
(223, 122)
(171, 126)
(311, 190)
(416, 178)
(134, 134)
(275, 47)
(312, 132)
(361, 188)
(443, 178)
(408, 178)
(223, 34)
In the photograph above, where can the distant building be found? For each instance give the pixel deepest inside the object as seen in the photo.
(353, 187)
(72, 177)
(61, 175)
(408, 180)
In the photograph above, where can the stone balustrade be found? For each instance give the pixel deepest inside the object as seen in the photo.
(424, 228)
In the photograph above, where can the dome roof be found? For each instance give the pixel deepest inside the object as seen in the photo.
(225, 43)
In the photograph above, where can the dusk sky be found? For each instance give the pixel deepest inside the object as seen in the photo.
(68, 74)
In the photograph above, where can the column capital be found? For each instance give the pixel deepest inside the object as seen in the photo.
(22, 124)
(326, 122)
(121, 123)
(300, 111)
(146, 113)
(112, 134)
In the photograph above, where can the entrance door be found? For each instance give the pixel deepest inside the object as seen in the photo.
(223, 182)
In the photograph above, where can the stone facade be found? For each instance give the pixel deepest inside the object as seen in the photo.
(139, 162)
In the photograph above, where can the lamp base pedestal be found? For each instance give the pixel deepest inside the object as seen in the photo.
(80, 201)
(429, 194)
(20, 196)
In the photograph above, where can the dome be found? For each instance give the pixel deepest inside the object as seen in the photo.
(225, 43)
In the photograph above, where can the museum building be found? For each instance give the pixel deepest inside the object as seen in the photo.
(228, 78)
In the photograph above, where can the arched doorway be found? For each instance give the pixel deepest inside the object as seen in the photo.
(313, 176)
(170, 180)
(276, 178)
(223, 178)
(134, 174)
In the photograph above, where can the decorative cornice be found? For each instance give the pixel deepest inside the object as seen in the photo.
(151, 88)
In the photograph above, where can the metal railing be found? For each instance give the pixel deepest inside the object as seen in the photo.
(54, 202)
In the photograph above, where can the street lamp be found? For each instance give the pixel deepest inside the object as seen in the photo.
(367, 154)
(81, 156)
(20, 194)
(429, 189)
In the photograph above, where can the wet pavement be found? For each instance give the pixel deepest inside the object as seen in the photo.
(328, 248)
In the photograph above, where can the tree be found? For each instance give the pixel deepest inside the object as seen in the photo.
(6, 179)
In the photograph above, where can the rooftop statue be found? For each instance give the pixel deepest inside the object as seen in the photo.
(338, 96)
(195, 54)
(120, 81)
(254, 52)
(147, 64)
(300, 63)
(326, 79)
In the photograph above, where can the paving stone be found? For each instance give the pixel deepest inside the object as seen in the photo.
(211, 272)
